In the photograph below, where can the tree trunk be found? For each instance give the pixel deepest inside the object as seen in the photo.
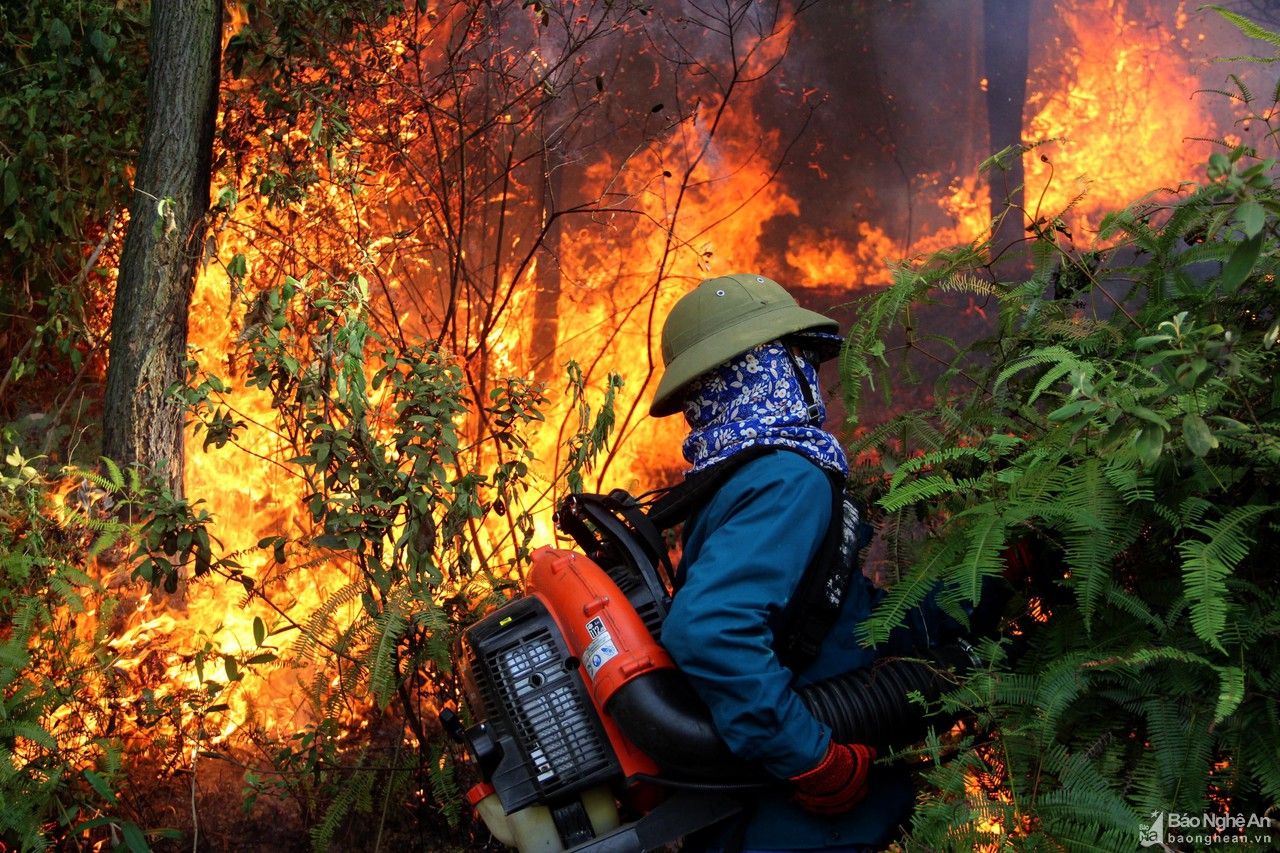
(142, 421)
(1006, 35)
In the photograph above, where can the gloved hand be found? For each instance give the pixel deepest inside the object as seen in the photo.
(838, 783)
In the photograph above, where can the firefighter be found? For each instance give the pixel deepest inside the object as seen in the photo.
(740, 359)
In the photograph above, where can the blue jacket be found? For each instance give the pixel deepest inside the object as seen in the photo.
(744, 554)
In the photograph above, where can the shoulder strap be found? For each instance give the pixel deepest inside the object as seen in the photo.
(815, 606)
(680, 501)
(819, 596)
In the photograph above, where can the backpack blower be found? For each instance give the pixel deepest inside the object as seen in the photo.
(580, 718)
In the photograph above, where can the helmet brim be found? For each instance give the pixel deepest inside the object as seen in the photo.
(732, 341)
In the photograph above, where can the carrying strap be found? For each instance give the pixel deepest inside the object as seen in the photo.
(681, 501)
(815, 605)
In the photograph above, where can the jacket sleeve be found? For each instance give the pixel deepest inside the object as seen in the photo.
(744, 556)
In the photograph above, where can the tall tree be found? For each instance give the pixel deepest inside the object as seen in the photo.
(142, 422)
(1006, 48)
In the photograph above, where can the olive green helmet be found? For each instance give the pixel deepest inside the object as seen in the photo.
(722, 318)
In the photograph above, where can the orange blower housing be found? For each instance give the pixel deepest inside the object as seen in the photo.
(572, 694)
(604, 633)
(540, 671)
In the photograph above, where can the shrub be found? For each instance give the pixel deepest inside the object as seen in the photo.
(60, 760)
(1122, 415)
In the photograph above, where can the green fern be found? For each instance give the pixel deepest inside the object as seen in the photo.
(925, 489)
(384, 674)
(1148, 672)
(1248, 27)
(1206, 565)
(356, 787)
(444, 787)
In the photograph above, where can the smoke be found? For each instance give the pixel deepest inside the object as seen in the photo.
(903, 92)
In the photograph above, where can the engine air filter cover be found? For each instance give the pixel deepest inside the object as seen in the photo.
(518, 669)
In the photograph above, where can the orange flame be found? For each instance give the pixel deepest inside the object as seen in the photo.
(700, 201)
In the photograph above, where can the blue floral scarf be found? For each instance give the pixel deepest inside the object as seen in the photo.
(756, 400)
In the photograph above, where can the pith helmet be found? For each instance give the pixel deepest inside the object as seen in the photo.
(722, 318)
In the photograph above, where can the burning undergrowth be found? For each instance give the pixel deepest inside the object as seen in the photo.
(422, 214)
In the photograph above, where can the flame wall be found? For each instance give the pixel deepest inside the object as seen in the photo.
(814, 147)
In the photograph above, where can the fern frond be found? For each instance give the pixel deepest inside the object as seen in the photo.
(314, 631)
(114, 475)
(937, 459)
(1206, 564)
(1091, 547)
(1246, 26)
(1054, 354)
(1231, 692)
(1260, 732)
(1132, 606)
(909, 592)
(384, 673)
(1056, 688)
(444, 786)
(984, 553)
(1132, 484)
(926, 489)
(1088, 838)
(966, 283)
(356, 786)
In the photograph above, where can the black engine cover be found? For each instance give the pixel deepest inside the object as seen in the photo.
(540, 740)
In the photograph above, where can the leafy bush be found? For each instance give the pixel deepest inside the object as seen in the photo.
(60, 761)
(74, 74)
(418, 493)
(1122, 421)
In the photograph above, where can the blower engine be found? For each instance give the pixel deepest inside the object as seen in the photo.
(578, 709)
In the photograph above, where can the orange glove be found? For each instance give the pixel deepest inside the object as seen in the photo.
(838, 783)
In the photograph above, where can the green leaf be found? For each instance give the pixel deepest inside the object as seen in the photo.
(1150, 341)
(1073, 408)
(101, 786)
(1150, 443)
(1252, 217)
(134, 839)
(1151, 417)
(1200, 439)
(102, 43)
(1240, 264)
(10, 188)
(59, 35)
(259, 630)
(238, 266)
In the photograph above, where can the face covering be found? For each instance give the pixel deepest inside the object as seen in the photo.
(756, 400)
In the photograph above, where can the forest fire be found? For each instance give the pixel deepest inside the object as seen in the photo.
(1121, 110)
(431, 294)
(1111, 78)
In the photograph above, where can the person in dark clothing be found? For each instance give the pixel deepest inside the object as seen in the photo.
(740, 359)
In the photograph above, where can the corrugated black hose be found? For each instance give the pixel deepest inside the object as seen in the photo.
(873, 705)
(662, 716)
